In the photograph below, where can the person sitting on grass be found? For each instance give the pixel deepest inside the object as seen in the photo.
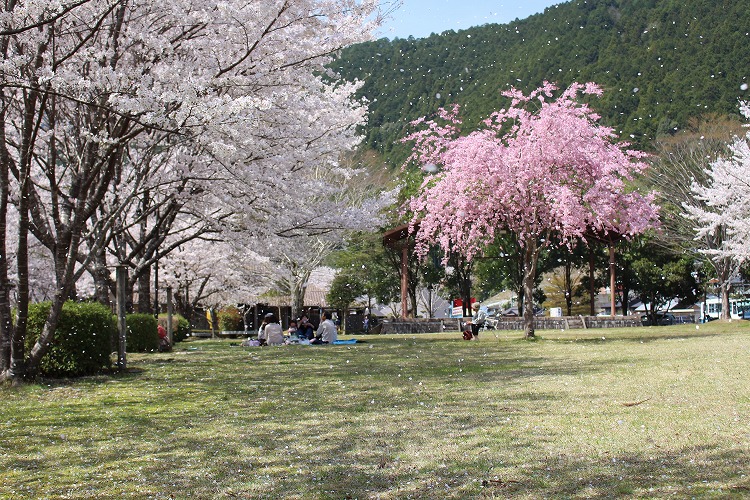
(273, 333)
(305, 329)
(164, 345)
(477, 320)
(262, 331)
(293, 332)
(326, 333)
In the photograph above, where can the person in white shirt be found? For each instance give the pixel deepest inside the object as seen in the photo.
(477, 320)
(273, 333)
(326, 333)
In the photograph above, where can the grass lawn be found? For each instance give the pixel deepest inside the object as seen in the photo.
(633, 413)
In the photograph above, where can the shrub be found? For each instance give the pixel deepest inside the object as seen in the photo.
(229, 319)
(183, 329)
(180, 325)
(82, 343)
(142, 333)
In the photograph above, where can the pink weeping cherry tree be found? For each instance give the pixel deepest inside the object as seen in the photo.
(543, 168)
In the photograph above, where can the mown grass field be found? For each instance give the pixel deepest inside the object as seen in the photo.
(632, 413)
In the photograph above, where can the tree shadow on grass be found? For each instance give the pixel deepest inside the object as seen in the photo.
(340, 422)
(341, 469)
(381, 469)
(260, 464)
(684, 473)
(633, 340)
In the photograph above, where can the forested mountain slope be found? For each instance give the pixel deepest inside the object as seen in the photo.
(660, 62)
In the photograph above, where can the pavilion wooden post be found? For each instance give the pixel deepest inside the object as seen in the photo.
(121, 277)
(612, 278)
(592, 284)
(399, 238)
(610, 238)
(404, 281)
(169, 316)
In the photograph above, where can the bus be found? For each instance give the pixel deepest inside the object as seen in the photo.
(711, 308)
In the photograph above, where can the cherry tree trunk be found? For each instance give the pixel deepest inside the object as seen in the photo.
(726, 312)
(414, 301)
(531, 256)
(102, 280)
(45, 339)
(6, 325)
(568, 289)
(297, 299)
(144, 292)
(17, 369)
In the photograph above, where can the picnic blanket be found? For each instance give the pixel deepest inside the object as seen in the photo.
(343, 342)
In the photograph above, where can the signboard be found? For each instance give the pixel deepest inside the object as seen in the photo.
(457, 311)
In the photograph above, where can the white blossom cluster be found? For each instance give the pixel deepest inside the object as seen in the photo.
(135, 129)
(726, 199)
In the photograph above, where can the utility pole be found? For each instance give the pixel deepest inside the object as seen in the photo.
(121, 276)
(156, 269)
(169, 315)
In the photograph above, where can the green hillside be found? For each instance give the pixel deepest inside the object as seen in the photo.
(660, 62)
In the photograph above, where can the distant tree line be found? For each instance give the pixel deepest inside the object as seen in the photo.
(659, 62)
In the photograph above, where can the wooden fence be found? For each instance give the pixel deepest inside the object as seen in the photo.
(419, 325)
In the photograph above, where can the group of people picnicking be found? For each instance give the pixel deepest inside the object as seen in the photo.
(300, 331)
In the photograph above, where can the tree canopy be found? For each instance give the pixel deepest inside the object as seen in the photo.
(542, 168)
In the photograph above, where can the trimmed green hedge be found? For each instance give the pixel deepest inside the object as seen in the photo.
(183, 326)
(142, 333)
(229, 319)
(82, 342)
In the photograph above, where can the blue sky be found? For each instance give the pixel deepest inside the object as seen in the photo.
(420, 18)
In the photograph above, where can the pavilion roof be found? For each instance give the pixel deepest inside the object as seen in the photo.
(397, 234)
(314, 297)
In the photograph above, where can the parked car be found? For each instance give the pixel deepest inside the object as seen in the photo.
(513, 311)
(662, 319)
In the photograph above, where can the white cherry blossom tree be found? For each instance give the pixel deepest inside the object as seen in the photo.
(722, 211)
(91, 86)
(311, 217)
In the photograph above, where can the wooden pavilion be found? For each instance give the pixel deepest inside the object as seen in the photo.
(400, 238)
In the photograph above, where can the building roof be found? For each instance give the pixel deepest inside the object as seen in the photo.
(395, 236)
(314, 297)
